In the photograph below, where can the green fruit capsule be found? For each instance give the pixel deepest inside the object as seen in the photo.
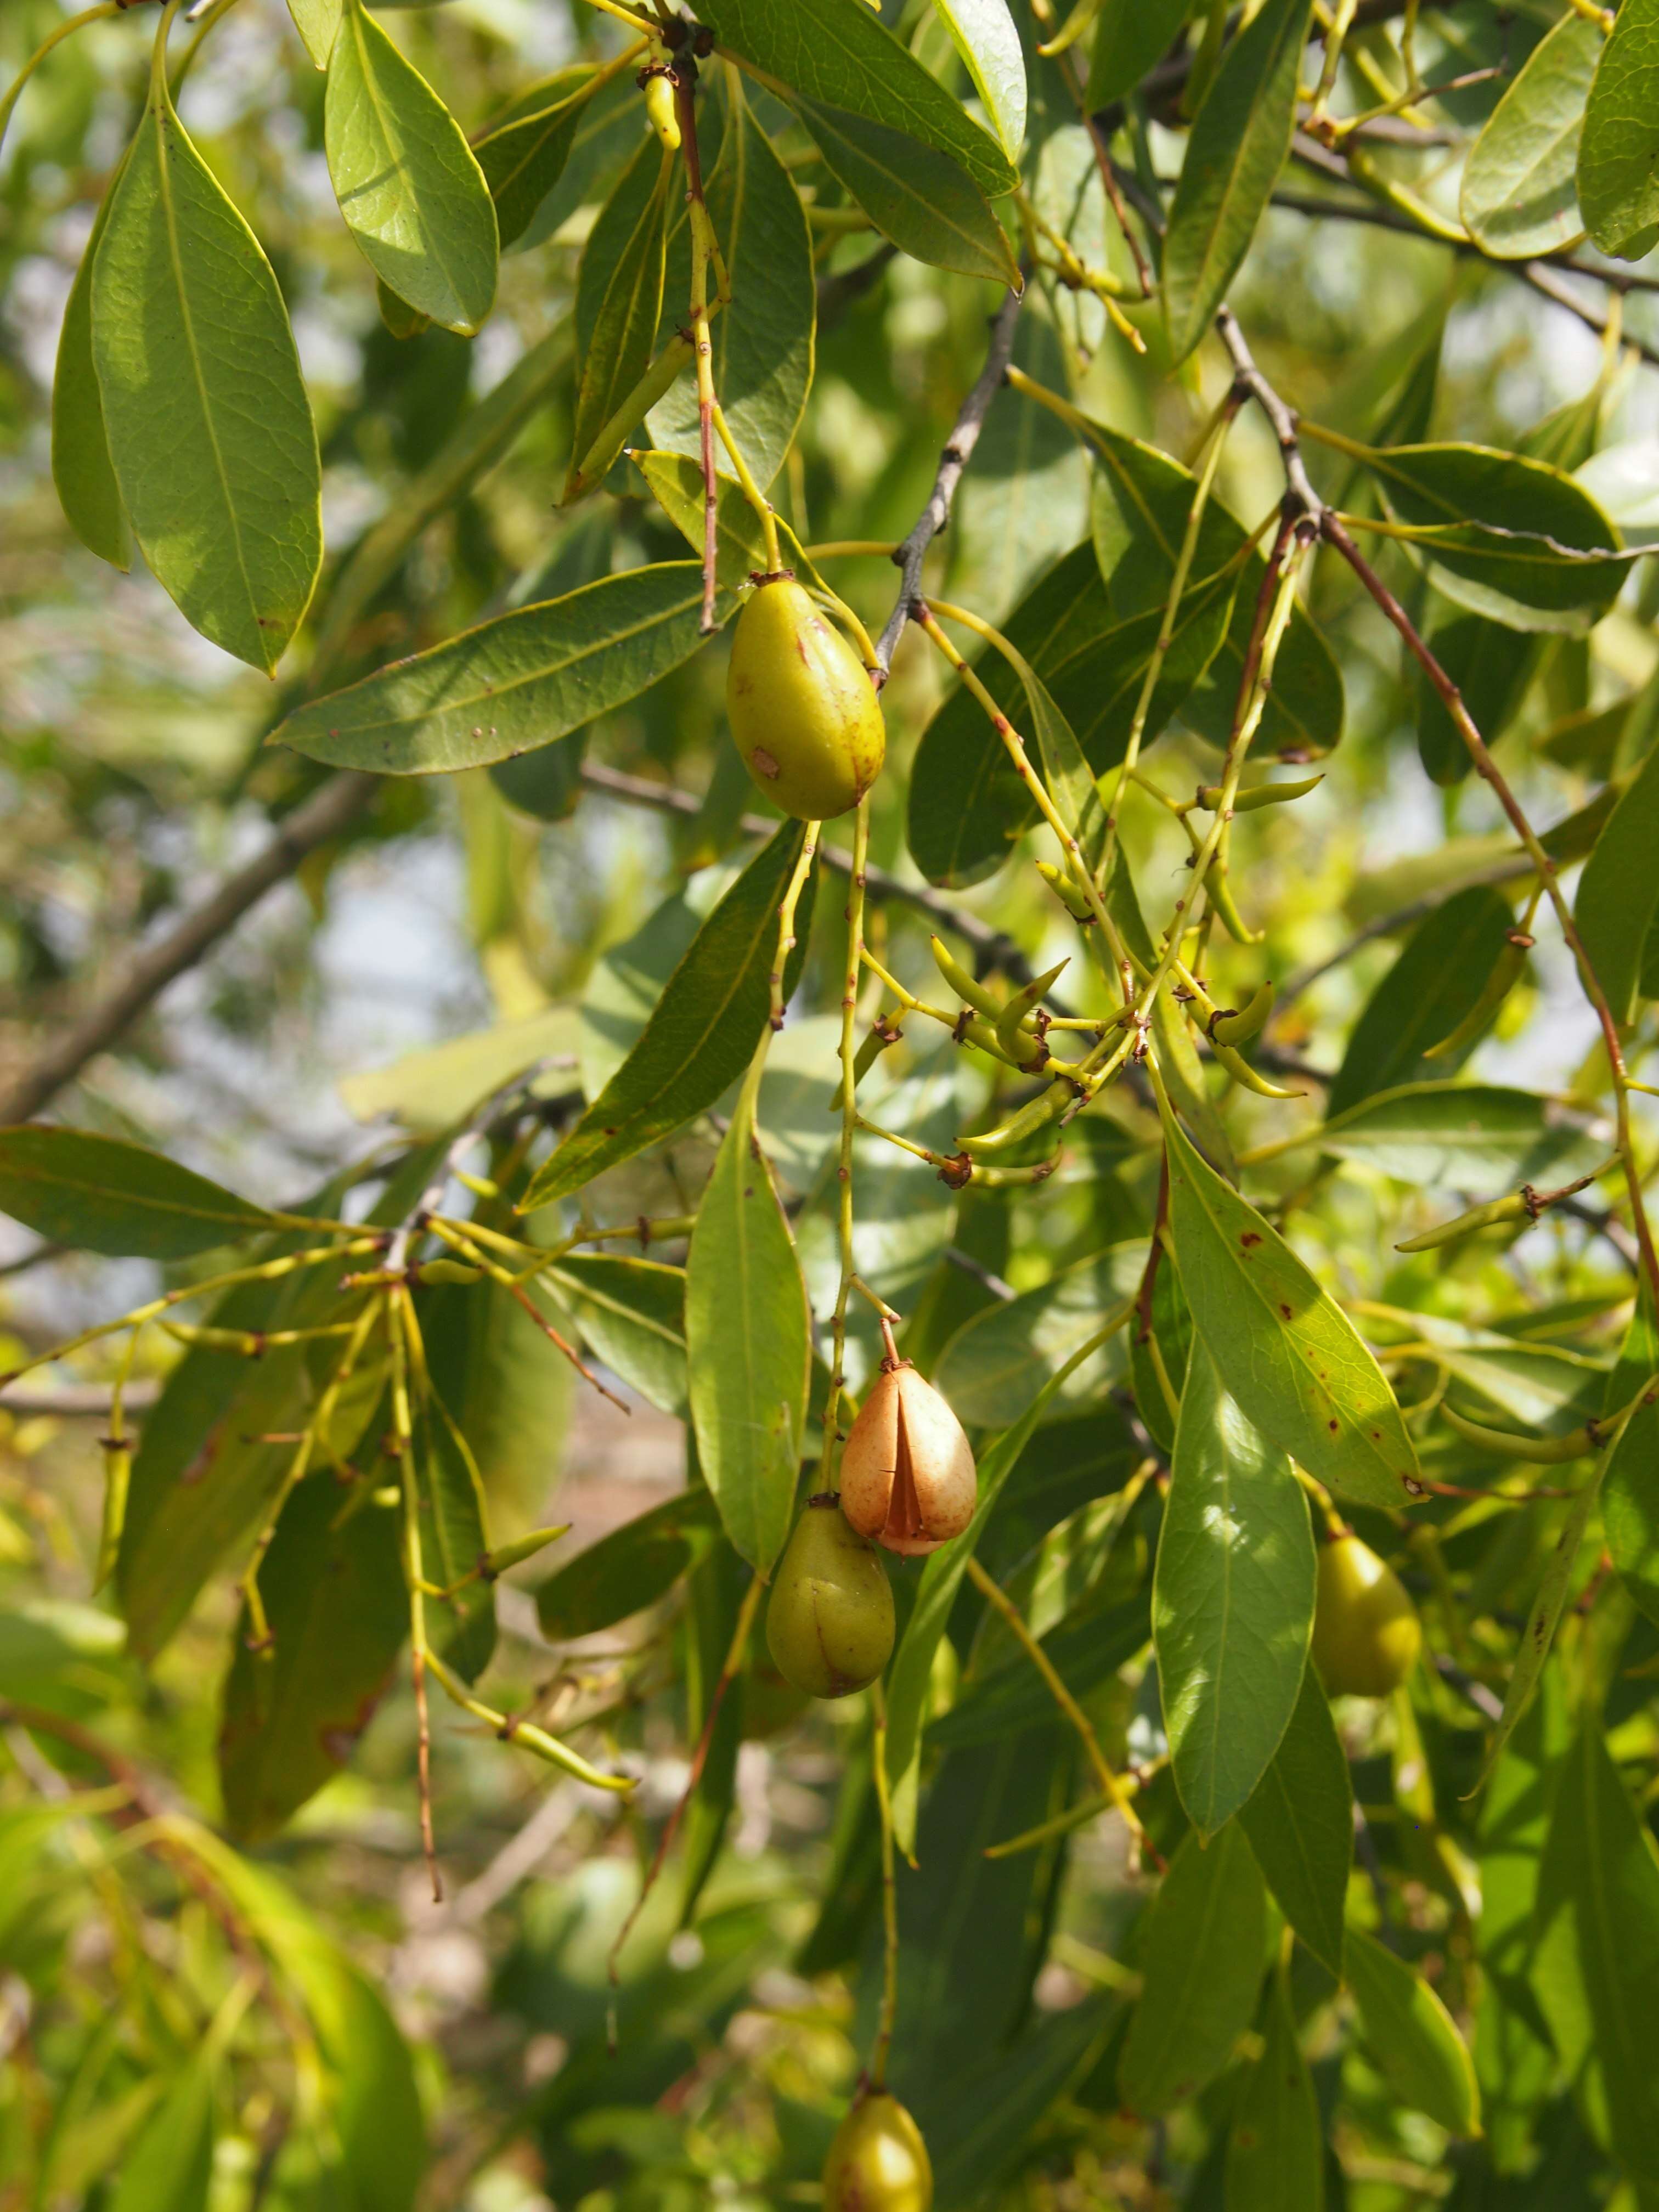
(1366, 1635)
(830, 1620)
(877, 2161)
(802, 708)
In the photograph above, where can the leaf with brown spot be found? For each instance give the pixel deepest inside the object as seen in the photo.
(1286, 1352)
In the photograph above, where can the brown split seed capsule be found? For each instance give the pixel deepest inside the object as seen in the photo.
(907, 1475)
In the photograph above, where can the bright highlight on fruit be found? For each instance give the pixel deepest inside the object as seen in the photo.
(877, 2161)
(907, 1475)
(1366, 1635)
(802, 708)
(830, 1620)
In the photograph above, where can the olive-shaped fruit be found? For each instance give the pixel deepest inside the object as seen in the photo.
(660, 107)
(802, 708)
(907, 1475)
(1366, 1635)
(830, 1620)
(877, 2161)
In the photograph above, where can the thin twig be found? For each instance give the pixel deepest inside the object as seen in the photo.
(325, 815)
(954, 459)
(727, 1674)
(992, 948)
(1110, 1786)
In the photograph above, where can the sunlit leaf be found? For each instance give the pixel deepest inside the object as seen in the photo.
(521, 680)
(1232, 1603)
(1520, 194)
(210, 429)
(1285, 1350)
(409, 185)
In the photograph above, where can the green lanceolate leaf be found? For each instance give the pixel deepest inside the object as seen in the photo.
(836, 53)
(170, 2163)
(524, 159)
(1491, 677)
(920, 200)
(1232, 1600)
(103, 1194)
(1519, 196)
(461, 1626)
(1239, 139)
(1300, 1824)
(1202, 1969)
(409, 185)
(1618, 163)
(1630, 1488)
(747, 1338)
(1618, 895)
(1545, 1618)
(1597, 1922)
(630, 1569)
(1475, 1135)
(1129, 39)
(1284, 1349)
(676, 482)
(1412, 2037)
(332, 1586)
(619, 296)
(318, 22)
(763, 340)
(1276, 2150)
(984, 33)
(701, 1033)
(81, 465)
(909, 1681)
(513, 683)
(1419, 1004)
(999, 1359)
(631, 1314)
(209, 430)
(1510, 537)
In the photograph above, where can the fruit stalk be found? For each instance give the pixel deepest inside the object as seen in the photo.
(830, 1465)
(1110, 1786)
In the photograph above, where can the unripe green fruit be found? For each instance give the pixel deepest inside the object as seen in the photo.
(830, 1620)
(802, 708)
(877, 2161)
(1366, 1635)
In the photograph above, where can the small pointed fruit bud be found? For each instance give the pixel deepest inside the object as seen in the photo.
(1366, 1635)
(830, 1618)
(802, 708)
(877, 2161)
(907, 1475)
(660, 107)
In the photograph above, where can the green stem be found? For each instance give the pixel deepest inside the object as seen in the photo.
(829, 1462)
(15, 90)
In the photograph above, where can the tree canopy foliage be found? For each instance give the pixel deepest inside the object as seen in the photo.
(989, 675)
